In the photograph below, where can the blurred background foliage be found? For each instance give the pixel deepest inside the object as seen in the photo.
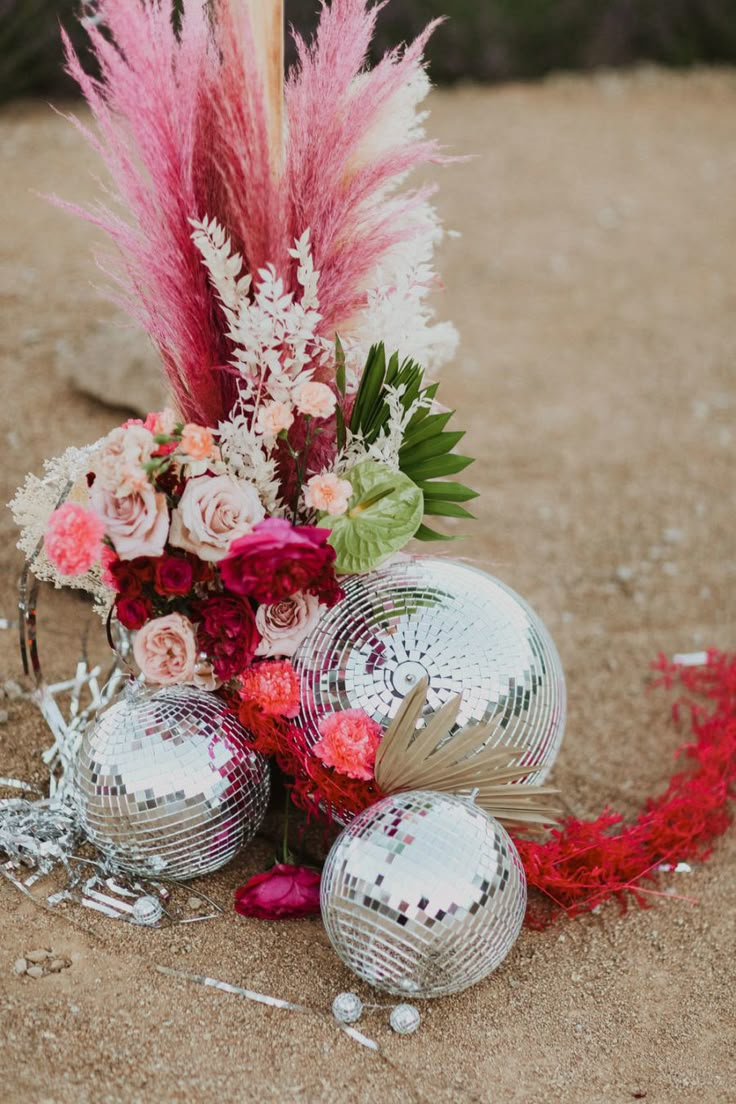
(485, 40)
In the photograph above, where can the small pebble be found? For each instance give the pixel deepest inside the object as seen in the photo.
(58, 965)
(20, 966)
(624, 574)
(34, 972)
(194, 903)
(4, 716)
(13, 689)
(37, 956)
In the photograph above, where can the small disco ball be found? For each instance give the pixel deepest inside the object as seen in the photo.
(463, 630)
(423, 894)
(167, 786)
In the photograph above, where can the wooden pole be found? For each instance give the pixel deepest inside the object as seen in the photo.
(267, 21)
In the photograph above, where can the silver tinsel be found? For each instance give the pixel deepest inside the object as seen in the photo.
(423, 894)
(167, 786)
(465, 631)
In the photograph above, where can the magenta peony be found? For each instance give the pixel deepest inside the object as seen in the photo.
(277, 560)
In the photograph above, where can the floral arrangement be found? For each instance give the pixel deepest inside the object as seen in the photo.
(273, 250)
(220, 547)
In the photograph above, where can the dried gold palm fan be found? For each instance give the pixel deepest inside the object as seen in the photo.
(409, 759)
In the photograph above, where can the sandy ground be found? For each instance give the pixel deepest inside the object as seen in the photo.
(595, 287)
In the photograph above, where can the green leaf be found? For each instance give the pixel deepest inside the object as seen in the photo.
(425, 427)
(436, 508)
(341, 435)
(439, 467)
(447, 492)
(369, 391)
(383, 515)
(340, 376)
(424, 533)
(436, 445)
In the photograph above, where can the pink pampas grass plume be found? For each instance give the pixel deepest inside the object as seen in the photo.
(340, 188)
(153, 109)
(183, 128)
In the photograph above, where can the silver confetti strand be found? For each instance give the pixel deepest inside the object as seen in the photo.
(271, 1002)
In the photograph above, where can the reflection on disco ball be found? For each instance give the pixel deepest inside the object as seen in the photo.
(167, 785)
(423, 894)
(453, 624)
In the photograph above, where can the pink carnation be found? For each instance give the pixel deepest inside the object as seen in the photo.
(73, 539)
(349, 743)
(273, 686)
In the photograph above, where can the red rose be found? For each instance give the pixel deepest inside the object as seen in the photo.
(227, 633)
(174, 576)
(130, 576)
(284, 892)
(133, 612)
(278, 559)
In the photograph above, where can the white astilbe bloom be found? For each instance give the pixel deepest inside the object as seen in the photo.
(64, 480)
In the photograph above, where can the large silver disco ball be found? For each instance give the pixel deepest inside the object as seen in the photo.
(462, 629)
(167, 785)
(423, 894)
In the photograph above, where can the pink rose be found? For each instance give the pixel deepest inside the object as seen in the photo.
(282, 893)
(120, 461)
(278, 560)
(136, 523)
(285, 624)
(166, 650)
(212, 513)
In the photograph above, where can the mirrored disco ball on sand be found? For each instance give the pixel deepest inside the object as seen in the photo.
(423, 894)
(453, 624)
(167, 785)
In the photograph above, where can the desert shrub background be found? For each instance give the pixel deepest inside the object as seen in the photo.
(487, 40)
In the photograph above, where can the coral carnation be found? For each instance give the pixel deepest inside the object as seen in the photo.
(273, 687)
(349, 743)
(73, 540)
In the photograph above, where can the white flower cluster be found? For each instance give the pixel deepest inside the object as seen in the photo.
(64, 479)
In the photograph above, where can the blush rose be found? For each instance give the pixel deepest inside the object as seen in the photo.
(165, 649)
(136, 523)
(213, 512)
(285, 624)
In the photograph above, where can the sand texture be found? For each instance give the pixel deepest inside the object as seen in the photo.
(595, 287)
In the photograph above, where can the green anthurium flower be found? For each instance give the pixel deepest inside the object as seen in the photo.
(384, 513)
